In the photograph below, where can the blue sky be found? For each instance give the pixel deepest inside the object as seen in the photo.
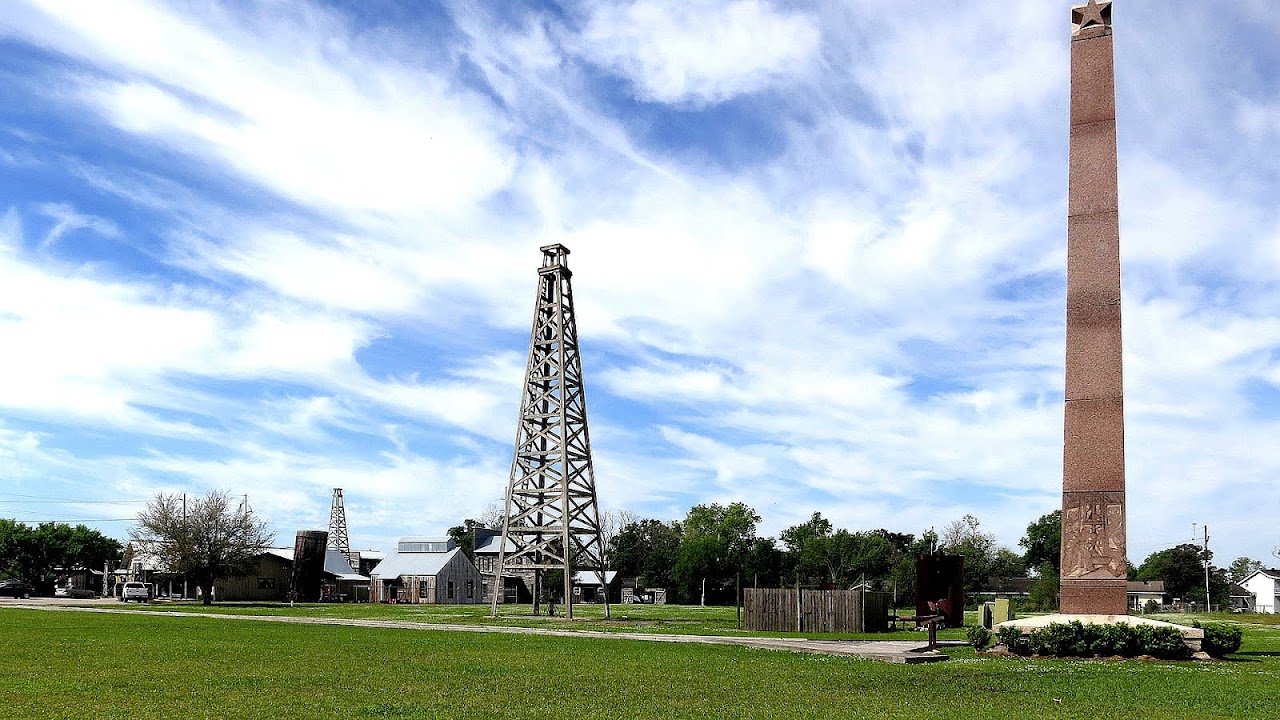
(819, 250)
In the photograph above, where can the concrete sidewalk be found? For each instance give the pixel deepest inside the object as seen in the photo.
(890, 651)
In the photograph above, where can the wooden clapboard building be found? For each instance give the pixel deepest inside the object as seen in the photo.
(426, 570)
(517, 582)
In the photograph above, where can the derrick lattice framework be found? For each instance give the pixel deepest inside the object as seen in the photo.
(338, 528)
(552, 519)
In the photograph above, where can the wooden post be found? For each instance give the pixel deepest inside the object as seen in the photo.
(799, 607)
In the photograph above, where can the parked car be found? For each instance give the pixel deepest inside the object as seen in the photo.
(62, 591)
(16, 589)
(135, 591)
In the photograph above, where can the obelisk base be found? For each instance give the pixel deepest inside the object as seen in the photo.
(1094, 597)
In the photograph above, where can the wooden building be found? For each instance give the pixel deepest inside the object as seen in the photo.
(269, 581)
(426, 570)
(341, 582)
(586, 586)
(517, 584)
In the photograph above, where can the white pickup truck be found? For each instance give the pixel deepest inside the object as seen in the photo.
(135, 591)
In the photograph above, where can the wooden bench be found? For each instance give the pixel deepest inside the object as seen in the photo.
(931, 623)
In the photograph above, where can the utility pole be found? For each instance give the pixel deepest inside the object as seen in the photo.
(1207, 606)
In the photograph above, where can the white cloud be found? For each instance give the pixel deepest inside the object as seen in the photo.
(701, 52)
(865, 318)
(303, 117)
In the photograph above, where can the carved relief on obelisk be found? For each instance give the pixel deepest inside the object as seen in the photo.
(1094, 565)
(1095, 544)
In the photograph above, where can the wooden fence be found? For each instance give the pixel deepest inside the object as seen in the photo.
(818, 611)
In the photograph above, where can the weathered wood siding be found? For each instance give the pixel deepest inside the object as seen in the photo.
(458, 571)
(270, 582)
(817, 611)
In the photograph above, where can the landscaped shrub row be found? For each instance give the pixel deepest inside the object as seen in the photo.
(1075, 639)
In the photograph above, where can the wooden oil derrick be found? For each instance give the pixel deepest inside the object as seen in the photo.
(338, 528)
(552, 519)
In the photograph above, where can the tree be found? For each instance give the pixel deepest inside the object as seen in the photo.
(806, 549)
(207, 538)
(819, 554)
(763, 565)
(493, 514)
(646, 549)
(464, 536)
(1043, 593)
(611, 523)
(901, 578)
(1243, 567)
(983, 559)
(39, 554)
(1181, 568)
(1043, 542)
(714, 547)
(1007, 564)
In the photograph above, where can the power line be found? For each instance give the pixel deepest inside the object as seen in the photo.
(48, 499)
(74, 502)
(83, 520)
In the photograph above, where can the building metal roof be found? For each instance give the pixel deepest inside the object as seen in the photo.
(399, 564)
(589, 577)
(489, 545)
(335, 563)
(282, 553)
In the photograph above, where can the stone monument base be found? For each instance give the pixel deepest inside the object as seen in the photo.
(1192, 636)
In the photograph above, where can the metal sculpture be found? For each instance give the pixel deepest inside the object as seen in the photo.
(552, 519)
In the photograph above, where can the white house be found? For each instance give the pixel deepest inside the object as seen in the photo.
(1265, 587)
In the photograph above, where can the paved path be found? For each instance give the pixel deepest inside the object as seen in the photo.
(892, 651)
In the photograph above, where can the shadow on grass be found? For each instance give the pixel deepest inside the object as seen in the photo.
(1250, 656)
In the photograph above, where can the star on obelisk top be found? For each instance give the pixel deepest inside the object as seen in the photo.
(1094, 14)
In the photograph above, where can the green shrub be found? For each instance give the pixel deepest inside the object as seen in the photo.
(1060, 639)
(1221, 639)
(1165, 643)
(1013, 640)
(979, 637)
(1116, 639)
(1151, 606)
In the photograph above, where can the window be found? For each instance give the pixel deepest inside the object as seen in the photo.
(449, 590)
(423, 589)
(423, 547)
(266, 583)
(471, 589)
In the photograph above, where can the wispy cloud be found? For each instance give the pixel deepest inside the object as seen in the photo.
(818, 252)
(701, 52)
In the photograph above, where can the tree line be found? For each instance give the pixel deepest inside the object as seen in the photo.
(40, 554)
(716, 549)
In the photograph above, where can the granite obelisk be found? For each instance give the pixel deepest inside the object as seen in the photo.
(1094, 567)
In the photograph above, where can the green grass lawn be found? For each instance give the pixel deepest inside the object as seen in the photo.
(69, 664)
